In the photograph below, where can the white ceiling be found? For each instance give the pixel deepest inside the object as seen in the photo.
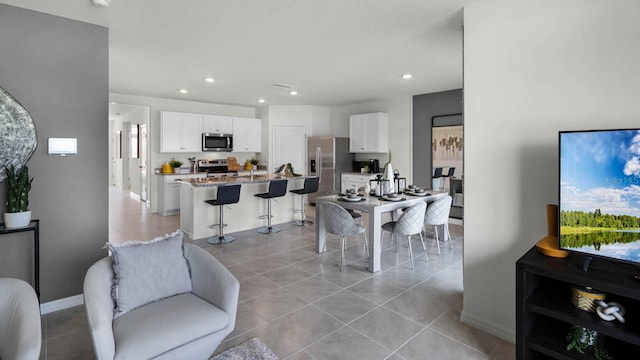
(334, 52)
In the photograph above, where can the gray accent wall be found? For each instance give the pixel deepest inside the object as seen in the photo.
(58, 70)
(425, 107)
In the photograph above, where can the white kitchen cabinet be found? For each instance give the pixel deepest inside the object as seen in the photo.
(217, 124)
(180, 132)
(247, 135)
(368, 133)
(354, 181)
(169, 192)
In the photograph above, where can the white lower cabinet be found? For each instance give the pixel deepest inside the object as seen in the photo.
(169, 192)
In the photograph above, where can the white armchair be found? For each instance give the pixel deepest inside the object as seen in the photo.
(185, 326)
(20, 330)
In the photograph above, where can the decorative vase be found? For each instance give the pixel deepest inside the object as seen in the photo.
(176, 170)
(17, 220)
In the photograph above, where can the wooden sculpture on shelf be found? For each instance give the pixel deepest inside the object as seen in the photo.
(548, 245)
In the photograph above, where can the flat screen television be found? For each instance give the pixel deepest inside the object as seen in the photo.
(599, 195)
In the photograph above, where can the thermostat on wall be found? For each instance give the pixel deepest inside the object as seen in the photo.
(63, 146)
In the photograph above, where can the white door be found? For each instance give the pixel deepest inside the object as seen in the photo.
(126, 155)
(143, 162)
(290, 146)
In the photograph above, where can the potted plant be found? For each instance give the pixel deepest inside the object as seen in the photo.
(254, 163)
(175, 164)
(18, 187)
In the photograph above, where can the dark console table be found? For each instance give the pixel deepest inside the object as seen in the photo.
(34, 226)
(545, 313)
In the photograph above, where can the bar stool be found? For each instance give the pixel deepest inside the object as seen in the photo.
(277, 188)
(227, 194)
(310, 186)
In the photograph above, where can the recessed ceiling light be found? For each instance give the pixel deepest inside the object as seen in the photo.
(407, 76)
(209, 79)
(260, 100)
(293, 93)
(113, 103)
(183, 91)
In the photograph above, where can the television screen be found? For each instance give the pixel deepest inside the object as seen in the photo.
(599, 207)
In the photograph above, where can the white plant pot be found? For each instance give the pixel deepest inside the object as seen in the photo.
(17, 220)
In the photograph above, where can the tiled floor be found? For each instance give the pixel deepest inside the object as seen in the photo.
(306, 309)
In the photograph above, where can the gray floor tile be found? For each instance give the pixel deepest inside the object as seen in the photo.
(347, 344)
(306, 325)
(254, 286)
(281, 345)
(276, 303)
(286, 275)
(449, 324)
(345, 306)
(386, 327)
(422, 305)
(246, 319)
(312, 289)
(504, 351)
(376, 289)
(431, 345)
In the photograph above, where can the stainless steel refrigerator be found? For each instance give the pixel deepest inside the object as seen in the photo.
(329, 157)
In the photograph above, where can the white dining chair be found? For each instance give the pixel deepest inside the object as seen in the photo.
(411, 222)
(338, 221)
(438, 215)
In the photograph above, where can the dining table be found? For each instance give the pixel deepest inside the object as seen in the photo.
(375, 207)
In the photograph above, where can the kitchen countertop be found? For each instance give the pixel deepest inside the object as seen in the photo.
(198, 182)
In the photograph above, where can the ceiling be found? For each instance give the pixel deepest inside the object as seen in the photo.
(333, 52)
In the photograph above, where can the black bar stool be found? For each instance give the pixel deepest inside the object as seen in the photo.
(310, 186)
(227, 194)
(277, 188)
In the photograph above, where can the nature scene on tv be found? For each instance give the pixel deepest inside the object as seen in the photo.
(600, 193)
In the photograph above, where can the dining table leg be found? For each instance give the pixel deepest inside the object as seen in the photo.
(375, 237)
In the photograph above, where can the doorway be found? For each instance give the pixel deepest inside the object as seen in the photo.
(290, 146)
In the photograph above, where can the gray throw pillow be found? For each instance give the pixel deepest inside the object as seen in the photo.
(148, 271)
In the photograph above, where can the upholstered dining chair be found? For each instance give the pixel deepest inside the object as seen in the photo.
(411, 222)
(20, 329)
(338, 221)
(438, 215)
(188, 325)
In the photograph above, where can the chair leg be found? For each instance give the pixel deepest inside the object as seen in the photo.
(221, 238)
(435, 230)
(366, 243)
(446, 229)
(410, 252)
(342, 238)
(269, 229)
(324, 248)
(424, 247)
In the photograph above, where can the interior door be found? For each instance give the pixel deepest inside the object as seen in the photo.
(290, 146)
(126, 155)
(143, 162)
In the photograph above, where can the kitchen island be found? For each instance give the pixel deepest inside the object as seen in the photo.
(196, 215)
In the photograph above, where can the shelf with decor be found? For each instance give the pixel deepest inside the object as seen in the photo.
(545, 313)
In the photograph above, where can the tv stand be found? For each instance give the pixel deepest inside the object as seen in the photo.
(545, 313)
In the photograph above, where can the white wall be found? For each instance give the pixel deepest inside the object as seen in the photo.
(400, 110)
(531, 69)
(156, 159)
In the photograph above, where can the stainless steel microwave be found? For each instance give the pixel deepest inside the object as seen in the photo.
(217, 142)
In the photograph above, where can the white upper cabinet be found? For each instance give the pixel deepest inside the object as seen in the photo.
(247, 135)
(368, 133)
(217, 124)
(180, 132)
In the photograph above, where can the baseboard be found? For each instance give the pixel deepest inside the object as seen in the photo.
(491, 328)
(61, 304)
